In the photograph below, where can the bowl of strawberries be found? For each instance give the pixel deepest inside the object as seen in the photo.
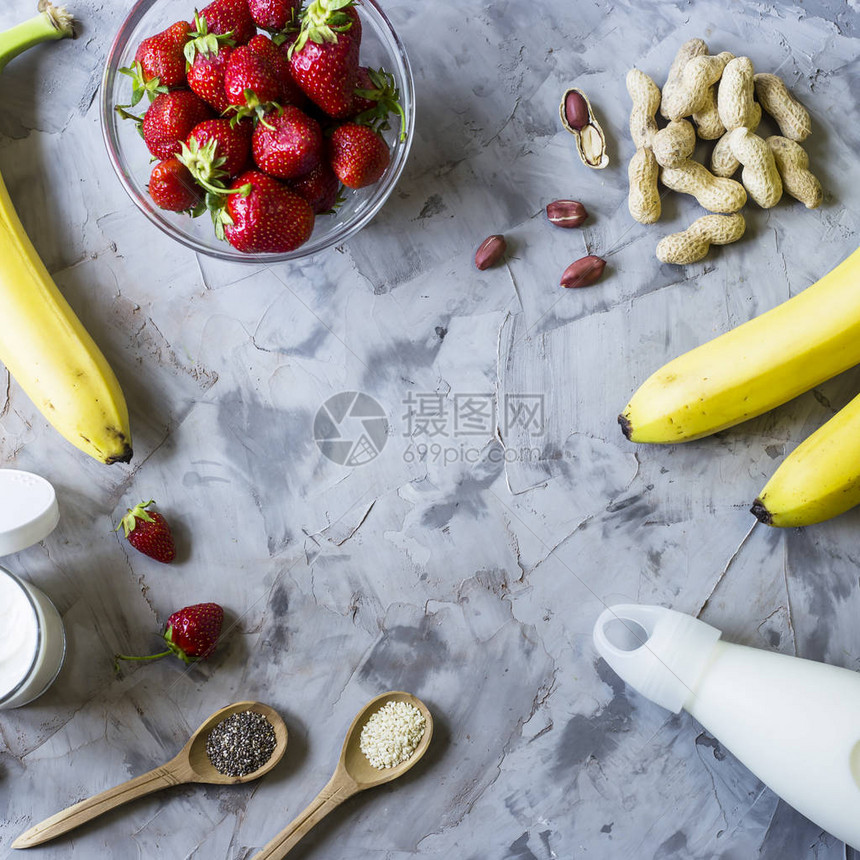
(258, 130)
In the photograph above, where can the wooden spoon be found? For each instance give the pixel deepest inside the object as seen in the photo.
(353, 773)
(191, 764)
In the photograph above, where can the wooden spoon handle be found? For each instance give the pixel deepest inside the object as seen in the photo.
(335, 793)
(92, 807)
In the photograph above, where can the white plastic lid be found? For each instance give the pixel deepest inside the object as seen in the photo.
(659, 652)
(28, 510)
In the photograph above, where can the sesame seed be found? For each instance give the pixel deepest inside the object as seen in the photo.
(392, 734)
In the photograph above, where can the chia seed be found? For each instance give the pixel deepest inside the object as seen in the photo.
(241, 744)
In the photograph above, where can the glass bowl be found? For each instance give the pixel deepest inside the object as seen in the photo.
(380, 47)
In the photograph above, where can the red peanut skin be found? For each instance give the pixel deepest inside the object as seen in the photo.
(566, 213)
(490, 251)
(576, 111)
(583, 272)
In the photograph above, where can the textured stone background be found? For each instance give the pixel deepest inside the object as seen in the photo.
(473, 583)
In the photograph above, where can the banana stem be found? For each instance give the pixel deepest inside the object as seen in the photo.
(52, 22)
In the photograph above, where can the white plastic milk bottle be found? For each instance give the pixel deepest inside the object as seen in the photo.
(794, 723)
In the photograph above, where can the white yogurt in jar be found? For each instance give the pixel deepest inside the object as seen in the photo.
(32, 638)
(33, 642)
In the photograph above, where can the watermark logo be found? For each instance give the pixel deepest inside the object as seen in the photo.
(454, 416)
(445, 427)
(351, 428)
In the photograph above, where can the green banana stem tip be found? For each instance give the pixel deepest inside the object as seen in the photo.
(52, 22)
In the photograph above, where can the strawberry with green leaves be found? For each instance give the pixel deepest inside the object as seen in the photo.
(227, 144)
(288, 144)
(274, 15)
(206, 77)
(206, 56)
(172, 186)
(270, 218)
(191, 634)
(358, 155)
(250, 83)
(159, 63)
(289, 92)
(169, 120)
(148, 532)
(162, 56)
(231, 17)
(324, 56)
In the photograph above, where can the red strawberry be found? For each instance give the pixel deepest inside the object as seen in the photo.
(274, 14)
(206, 77)
(230, 16)
(191, 634)
(249, 82)
(319, 188)
(161, 56)
(170, 118)
(148, 532)
(231, 143)
(357, 154)
(270, 218)
(172, 187)
(287, 145)
(324, 57)
(289, 92)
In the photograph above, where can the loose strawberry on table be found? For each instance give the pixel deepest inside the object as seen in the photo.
(287, 144)
(324, 57)
(271, 218)
(192, 634)
(169, 120)
(357, 154)
(148, 532)
(172, 186)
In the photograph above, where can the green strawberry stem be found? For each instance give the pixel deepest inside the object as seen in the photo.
(244, 190)
(146, 657)
(203, 42)
(254, 107)
(52, 22)
(138, 512)
(141, 87)
(289, 30)
(387, 98)
(121, 110)
(172, 648)
(322, 20)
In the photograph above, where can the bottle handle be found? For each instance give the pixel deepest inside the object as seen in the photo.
(645, 618)
(667, 651)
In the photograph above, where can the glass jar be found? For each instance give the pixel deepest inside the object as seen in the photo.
(33, 645)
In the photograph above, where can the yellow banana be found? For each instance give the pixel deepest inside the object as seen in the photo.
(819, 479)
(755, 367)
(42, 343)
